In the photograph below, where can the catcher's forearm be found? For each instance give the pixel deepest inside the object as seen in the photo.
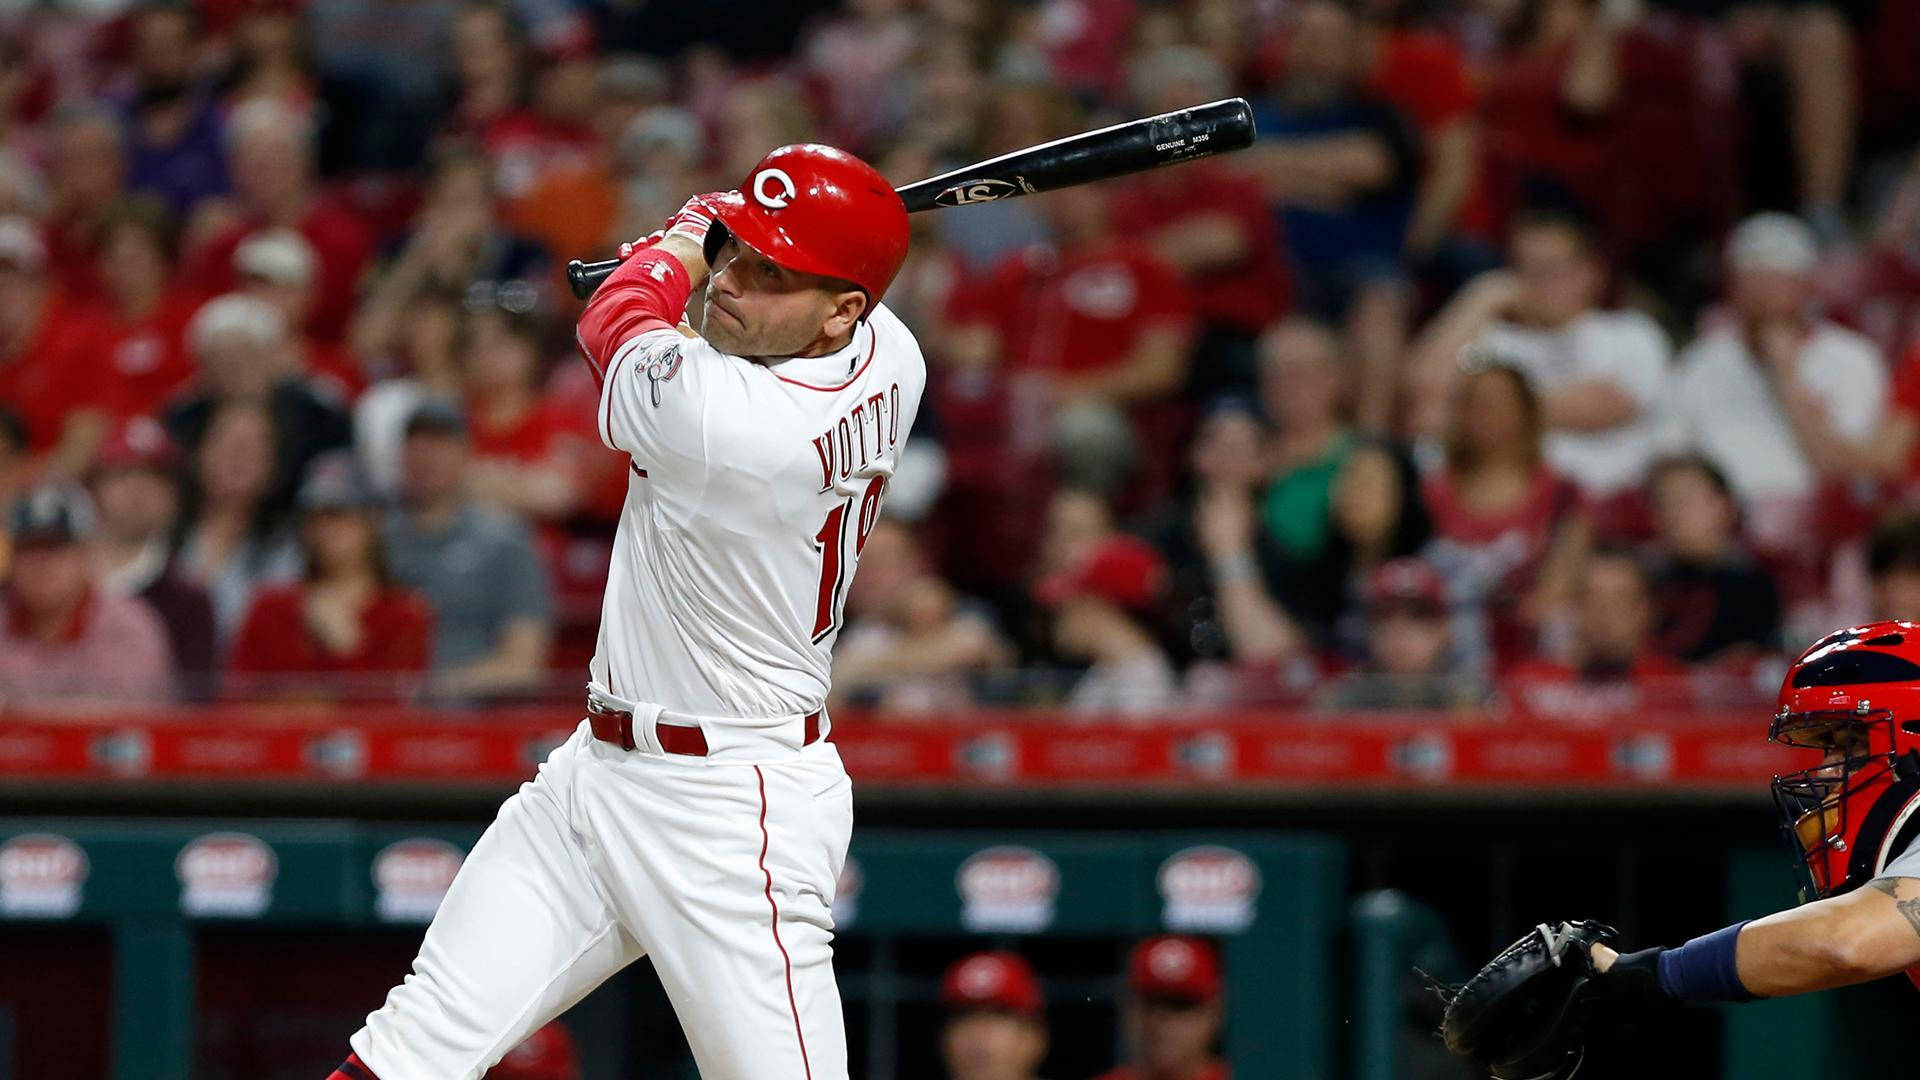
(1857, 937)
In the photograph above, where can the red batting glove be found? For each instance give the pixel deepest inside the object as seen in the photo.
(694, 220)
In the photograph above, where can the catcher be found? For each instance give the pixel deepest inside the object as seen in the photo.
(1851, 820)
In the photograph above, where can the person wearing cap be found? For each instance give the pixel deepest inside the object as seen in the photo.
(279, 266)
(1602, 376)
(720, 809)
(136, 488)
(346, 618)
(1172, 1015)
(62, 637)
(51, 357)
(996, 1028)
(440, 541)
(1101, 606)
(547, 1054)
(1409, 662)
(1779, 399)
(270, 149)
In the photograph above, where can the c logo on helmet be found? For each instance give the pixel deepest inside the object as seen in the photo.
(776, 201)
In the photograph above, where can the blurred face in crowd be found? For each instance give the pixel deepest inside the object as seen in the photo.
(1024, 115)
(1076, 522)
(1323, 51)
(291, 299)
(987, 1044)
(1081, 626)
(758, 114)
(1366, 497)
(270, 165)
(498, 359)
(1896, 593)
(1226, 450)
(1407, 638)
(1300, 380)
(433, 467)
(1559, 279)
(1761, 294)
(1171, 1038)
(236, 367)
(338, 542)
(565, 89)
(1490, 418)
(483, 49)
(1695, 520)
(87, 163)
(753, 306)
(134, 505)
(47, 579)
(236, 460)
(1074, 215)
(133, 264)
(268, 34)
(163, 52)
(1616, 612)
(888, 564)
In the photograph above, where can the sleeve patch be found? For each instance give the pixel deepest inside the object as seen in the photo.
(661, 368)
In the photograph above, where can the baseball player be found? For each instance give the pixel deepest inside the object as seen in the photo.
(1852, 819)
(996, 1024)
(699, 816)
(1172, 1015)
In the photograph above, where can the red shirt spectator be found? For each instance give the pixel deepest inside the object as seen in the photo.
(340, 242)
(148, 355)
(51, 370)
(346, 616)
(1086, 41)
(270, 154)
(1077, 312)
(1612, 669)
(1246, 295)
(395, 630)
(1424, 75)
(57, 371)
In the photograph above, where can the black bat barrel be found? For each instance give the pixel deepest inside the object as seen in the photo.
(1135, 146)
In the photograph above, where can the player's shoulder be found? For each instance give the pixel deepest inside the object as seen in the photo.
(894, 344)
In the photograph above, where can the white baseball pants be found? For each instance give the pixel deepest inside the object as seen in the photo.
(723, 873)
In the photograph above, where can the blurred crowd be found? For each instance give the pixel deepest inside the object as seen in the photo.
(1562, 352)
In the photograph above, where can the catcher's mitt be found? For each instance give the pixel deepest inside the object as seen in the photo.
(1524, 1016)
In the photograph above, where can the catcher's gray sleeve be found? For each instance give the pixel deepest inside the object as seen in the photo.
(1905, 864)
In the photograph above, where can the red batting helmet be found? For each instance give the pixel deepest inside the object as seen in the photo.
(822, 211)
(1854, 696)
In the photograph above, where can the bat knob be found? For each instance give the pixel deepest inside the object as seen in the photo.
(577, 280)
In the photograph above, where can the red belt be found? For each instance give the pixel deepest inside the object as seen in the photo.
(616, 726)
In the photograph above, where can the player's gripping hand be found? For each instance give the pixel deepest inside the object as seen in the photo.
(1527, 1013)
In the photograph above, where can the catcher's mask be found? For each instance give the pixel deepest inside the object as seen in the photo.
(1855, 697)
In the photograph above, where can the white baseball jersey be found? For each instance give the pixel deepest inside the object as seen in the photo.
(753, 488)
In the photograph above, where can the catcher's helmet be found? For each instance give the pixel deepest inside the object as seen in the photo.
(822, 211)
(1855, 695)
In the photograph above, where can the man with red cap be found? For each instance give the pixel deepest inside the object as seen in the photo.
(700, 816)
(994, 1029)
(1172, 1015)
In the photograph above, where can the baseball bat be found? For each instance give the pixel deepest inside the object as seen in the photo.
(1101, 154)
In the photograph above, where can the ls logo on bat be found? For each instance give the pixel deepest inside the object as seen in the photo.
(985, 190)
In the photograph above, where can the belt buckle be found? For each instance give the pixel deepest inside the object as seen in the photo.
(624, 734)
